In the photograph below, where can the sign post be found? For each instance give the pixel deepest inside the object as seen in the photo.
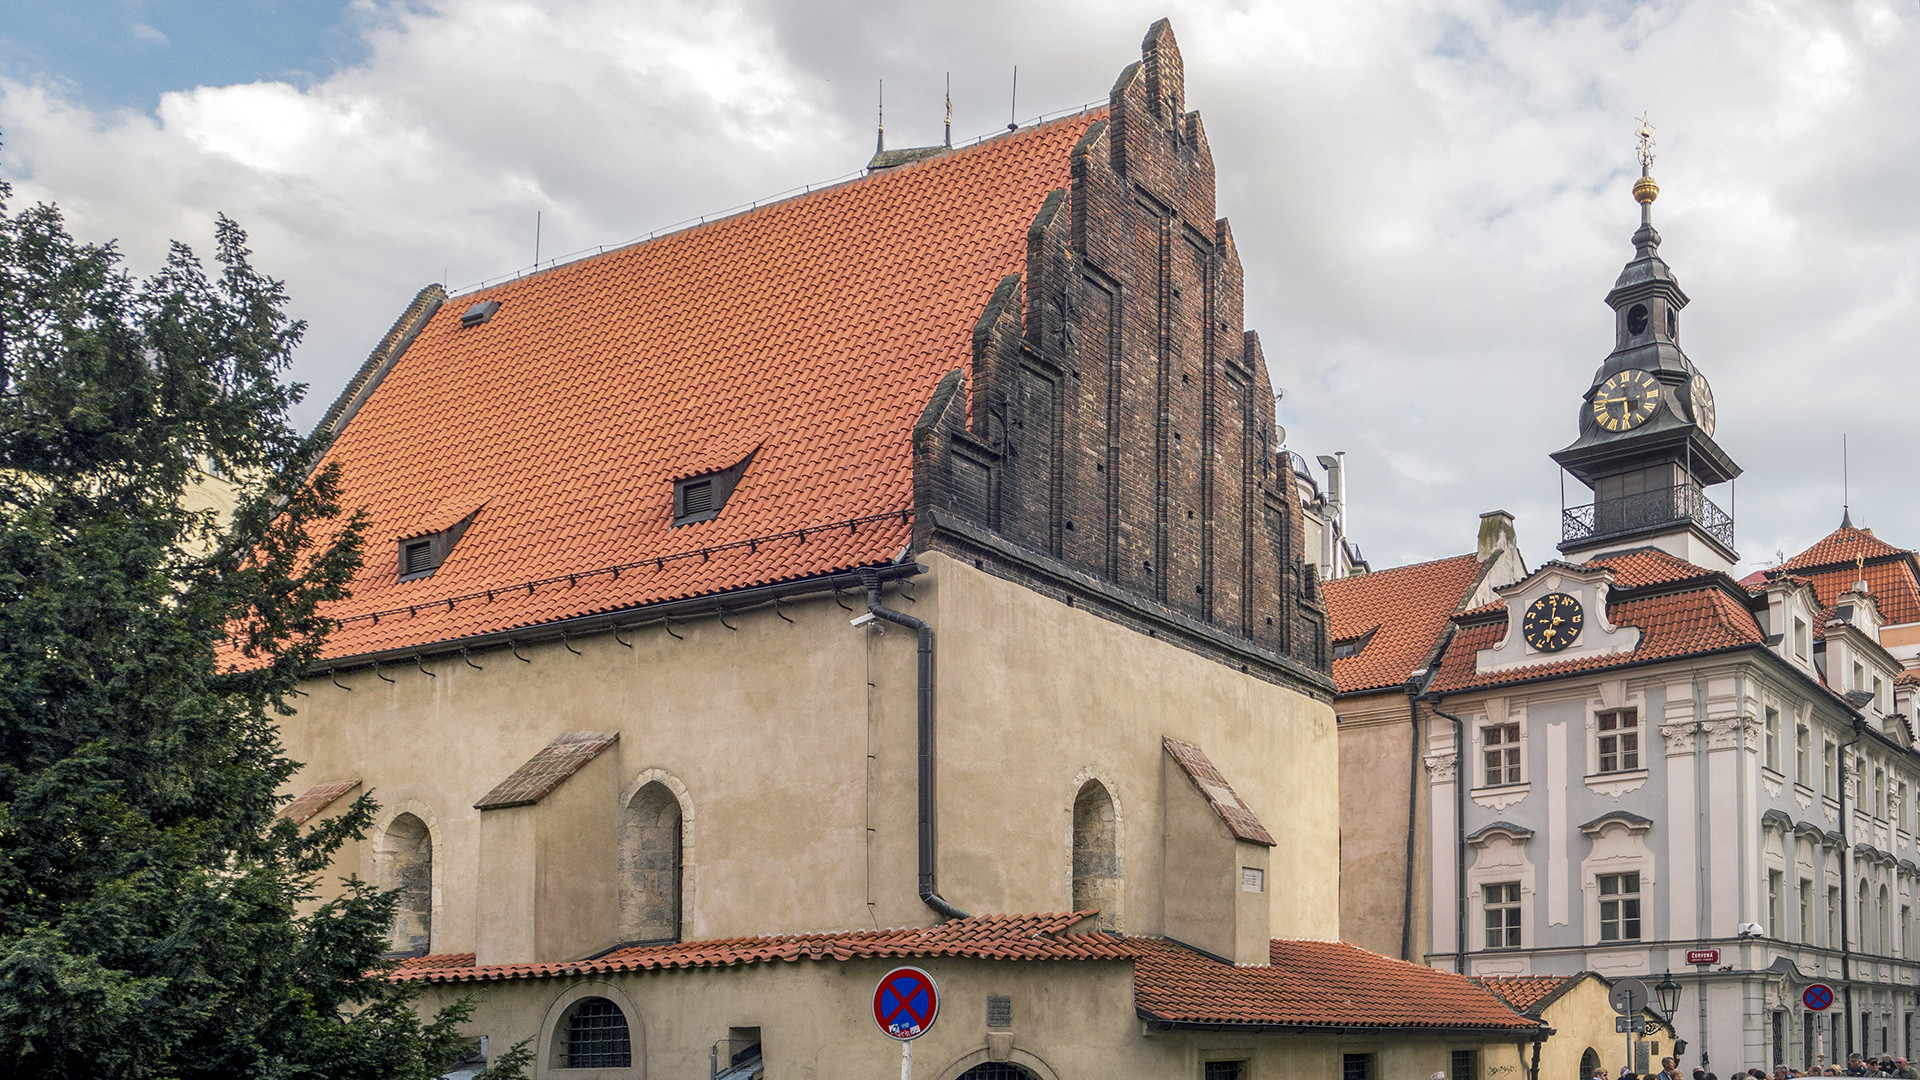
(1629, 998)
(905, 1005)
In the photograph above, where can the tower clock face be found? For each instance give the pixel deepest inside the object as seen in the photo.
(1626, 400)
(1552, 622)
(1702, 404)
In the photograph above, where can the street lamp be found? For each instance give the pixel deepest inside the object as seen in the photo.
(1668, 992)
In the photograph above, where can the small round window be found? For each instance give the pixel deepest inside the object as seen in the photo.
(1637, 319)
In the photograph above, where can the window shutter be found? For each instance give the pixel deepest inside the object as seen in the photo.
(696, 498)
(416, 557)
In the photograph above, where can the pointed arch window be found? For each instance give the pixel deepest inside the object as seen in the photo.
(652, 865)
(1096, 854)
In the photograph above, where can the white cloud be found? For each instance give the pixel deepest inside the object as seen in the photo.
(1430, 196)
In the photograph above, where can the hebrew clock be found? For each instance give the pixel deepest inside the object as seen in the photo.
(1552, 622)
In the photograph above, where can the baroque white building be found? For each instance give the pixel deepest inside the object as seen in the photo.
(1631, 755)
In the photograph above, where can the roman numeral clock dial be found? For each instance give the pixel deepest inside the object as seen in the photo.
(1626, 400)
(1552, 622)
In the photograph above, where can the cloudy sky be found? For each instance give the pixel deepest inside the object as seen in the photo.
(1431, 196)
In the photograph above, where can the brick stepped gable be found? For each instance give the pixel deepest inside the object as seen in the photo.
(1120, 418)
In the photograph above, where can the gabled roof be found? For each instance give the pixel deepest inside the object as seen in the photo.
(1409, 606)
(1848, 555)
(1307, 984)
(1530, 994)
(1672, 624)
(810, 332)
(1842, 546)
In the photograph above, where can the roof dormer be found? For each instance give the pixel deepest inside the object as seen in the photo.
(1790, 620)
(1555, 614)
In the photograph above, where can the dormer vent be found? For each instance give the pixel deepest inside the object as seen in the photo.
(479, 313)
(422, 554)
(701, 496)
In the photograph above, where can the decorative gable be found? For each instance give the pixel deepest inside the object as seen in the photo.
(1589, 587)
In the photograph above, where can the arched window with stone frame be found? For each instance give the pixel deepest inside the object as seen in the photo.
(1097, 872)
(652, 864)
(404, 866)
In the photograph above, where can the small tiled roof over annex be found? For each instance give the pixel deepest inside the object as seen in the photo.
(1312, 984)
(1849, 555)
(1308, 984)
(1679, 608)
(809, 333)
(1527, 994)
(981, 937)
(1234, 812)
(1405, 612)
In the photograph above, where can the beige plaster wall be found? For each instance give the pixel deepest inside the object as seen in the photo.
(1071, 1020)
(1034, 694)
(1374, 750)
(795, 743)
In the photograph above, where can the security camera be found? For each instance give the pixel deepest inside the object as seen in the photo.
(862, 619)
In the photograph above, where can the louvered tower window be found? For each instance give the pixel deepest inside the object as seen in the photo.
(702, 496)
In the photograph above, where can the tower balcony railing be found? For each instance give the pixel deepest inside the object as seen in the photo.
(1648, 509)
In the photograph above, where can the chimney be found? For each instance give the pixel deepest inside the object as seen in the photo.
(1496, 534)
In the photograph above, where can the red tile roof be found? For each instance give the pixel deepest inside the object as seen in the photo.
(984, 937)
(1226, 802)
(812, 329)
(1893, 586)
(1649, 566)
(1843, 545)
(1306, 984)
(315, 799)
(1683, 623)
(1312, 984)
(1524, 992)
(1406, 608)
(547, 769)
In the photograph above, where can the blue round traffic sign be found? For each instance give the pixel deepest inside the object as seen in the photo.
(1817, 997)
(905, 1003)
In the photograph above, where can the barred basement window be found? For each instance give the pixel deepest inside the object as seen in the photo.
(1356, 1067)
(1463, 1066)
(596, 1037)
(1224, 1070)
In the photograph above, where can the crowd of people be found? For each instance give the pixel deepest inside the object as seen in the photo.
(1857, 1065)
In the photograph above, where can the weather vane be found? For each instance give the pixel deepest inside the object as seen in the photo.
(1644, 133)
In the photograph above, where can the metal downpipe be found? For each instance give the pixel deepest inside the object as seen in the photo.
(928, 894)
(1459, 834)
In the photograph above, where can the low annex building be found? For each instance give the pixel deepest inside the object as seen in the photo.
(754, 608)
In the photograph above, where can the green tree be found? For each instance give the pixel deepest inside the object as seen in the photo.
(151, 903)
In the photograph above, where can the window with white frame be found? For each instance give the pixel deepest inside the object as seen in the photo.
(1806, 910)
(1773, 738)
(1803, 755)
(1900, 807)
(1830, 768)
(1833, 916)
(1800, 637)
(1776, 881)
(1906, 931)
(1619, 740)
(1619, 907)
(1501, 902)
(1879, 793)
(1500, 753)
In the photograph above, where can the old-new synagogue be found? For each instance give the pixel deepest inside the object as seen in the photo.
(903, 573)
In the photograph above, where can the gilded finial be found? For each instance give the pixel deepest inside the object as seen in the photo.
(1644, 189)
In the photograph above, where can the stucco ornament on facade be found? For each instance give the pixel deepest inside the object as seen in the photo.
(1441, 766)
(1732, 733)
(1679, 737)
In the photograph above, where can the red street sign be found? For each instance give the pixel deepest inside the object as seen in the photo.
(1817, 997)
(1703, 956)
(905, 1003)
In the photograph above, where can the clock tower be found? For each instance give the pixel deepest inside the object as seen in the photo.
(1646, 424)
